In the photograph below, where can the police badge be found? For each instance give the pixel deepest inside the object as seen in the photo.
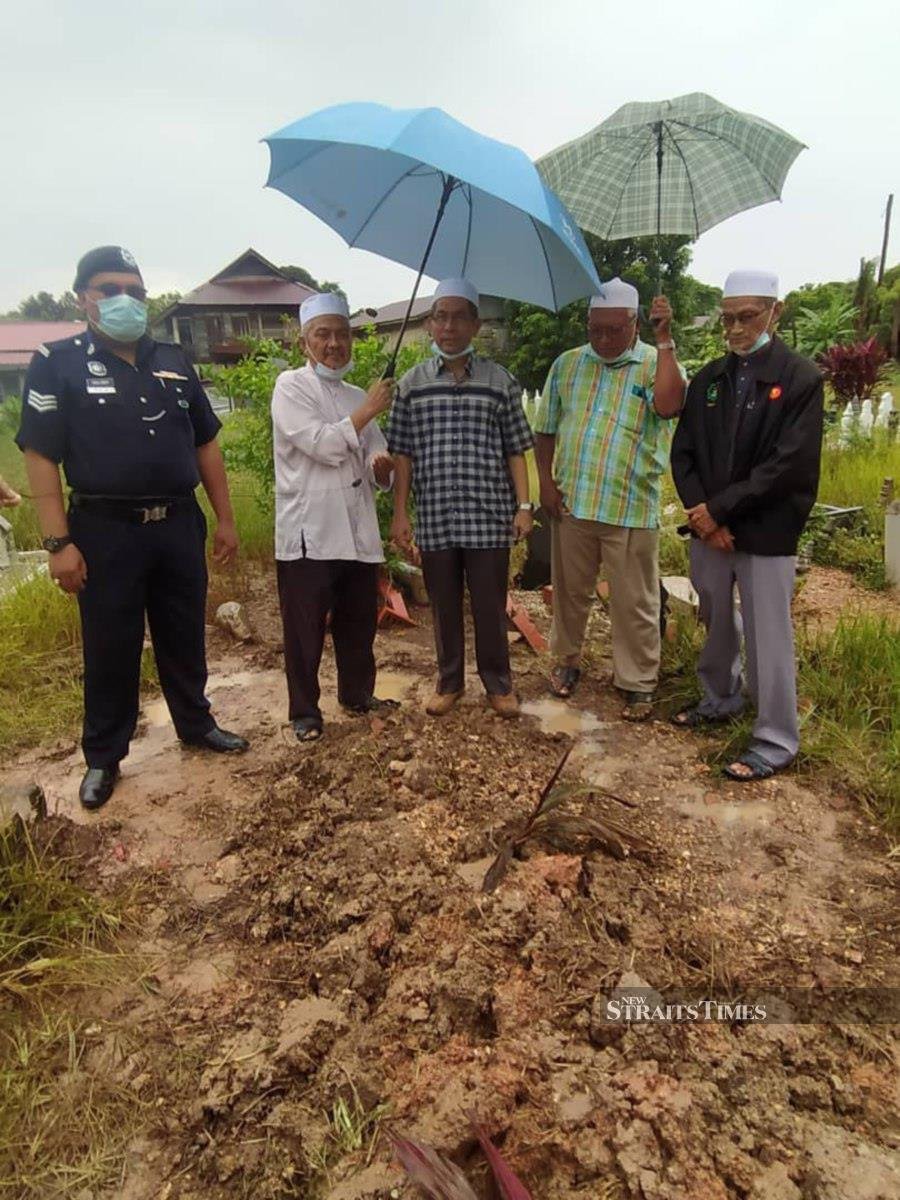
(96, 368)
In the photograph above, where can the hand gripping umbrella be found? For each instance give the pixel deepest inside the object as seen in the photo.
(674, 166)
(424, 190)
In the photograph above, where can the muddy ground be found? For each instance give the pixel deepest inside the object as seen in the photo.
(311, 928)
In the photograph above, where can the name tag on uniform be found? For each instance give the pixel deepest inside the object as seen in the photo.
(95, 386)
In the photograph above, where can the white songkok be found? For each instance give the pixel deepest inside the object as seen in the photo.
(456, 287)
(617, 294)
(751, 283)
(323, 304)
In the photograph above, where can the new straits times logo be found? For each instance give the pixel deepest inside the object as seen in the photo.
(635, 1003)
(635, 1009)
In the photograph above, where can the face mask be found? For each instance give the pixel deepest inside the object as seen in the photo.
(439, 353)
(607, 362)
(122, 318)
(763, 340)
(333, 373)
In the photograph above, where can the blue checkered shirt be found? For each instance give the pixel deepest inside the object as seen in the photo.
(459, 437)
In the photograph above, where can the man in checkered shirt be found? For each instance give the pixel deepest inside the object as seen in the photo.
(458, 436)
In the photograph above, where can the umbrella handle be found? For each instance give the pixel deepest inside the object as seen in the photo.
(449, 184)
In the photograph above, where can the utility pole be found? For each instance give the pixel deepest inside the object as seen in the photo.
(887, 231)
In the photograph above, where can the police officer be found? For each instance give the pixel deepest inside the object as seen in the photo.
(132, 427)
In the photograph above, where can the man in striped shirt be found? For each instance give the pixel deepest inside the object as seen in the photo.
(602, 442)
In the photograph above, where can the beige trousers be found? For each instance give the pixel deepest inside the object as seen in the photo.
(631, 559)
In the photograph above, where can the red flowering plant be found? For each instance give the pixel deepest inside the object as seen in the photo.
(854, 371)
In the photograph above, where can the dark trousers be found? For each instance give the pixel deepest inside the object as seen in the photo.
(157, 569)
(308, 590)
(486, 573)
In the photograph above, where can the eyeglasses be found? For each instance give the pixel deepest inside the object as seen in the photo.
(117, 289)
(747, 317)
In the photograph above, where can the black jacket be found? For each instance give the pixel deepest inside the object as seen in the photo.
(760, 478)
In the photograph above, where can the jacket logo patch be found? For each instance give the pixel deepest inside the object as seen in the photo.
(775, 393)
(712, 394)
(42, 402)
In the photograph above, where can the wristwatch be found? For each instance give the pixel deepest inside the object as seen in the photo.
(54, 544)
(669, 345)
(526, 507)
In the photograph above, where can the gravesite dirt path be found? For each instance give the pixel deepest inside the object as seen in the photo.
(311, 929)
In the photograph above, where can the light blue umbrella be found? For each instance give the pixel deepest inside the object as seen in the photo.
(421, 188)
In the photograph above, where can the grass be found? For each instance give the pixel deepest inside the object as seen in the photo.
(53, 933)
(352, 1129)
(849, 705)
(63, 1128)
(40, 664)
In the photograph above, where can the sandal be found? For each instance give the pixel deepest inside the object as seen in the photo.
(759, 768)
(638, 706)
(564, 680)
(690, 718)
(307, 729)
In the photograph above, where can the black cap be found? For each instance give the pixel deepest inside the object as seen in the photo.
(103, 258)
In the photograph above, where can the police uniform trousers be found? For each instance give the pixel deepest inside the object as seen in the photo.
(158, 568)
(309, 590)
(766, 586)
(486, 573)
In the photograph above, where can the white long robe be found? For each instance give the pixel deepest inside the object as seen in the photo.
(324, 483)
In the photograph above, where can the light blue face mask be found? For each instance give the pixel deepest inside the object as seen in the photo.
(763, 340)
(122, 318)
(439, 353)
(334, 373)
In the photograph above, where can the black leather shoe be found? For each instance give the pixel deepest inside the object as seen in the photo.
(372, 705)
(97, 786)
(221, 741)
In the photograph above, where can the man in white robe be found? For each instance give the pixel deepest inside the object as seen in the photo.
(329, 457)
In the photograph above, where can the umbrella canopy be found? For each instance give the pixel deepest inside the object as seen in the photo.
(674, 166)
(421, 188)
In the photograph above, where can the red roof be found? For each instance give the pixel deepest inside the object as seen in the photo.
(20, 339)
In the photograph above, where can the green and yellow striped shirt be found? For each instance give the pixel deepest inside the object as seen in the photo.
(611, 446)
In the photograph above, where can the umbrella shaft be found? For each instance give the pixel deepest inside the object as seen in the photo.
(449, 185)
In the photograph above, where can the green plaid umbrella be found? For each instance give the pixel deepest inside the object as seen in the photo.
(673, 166)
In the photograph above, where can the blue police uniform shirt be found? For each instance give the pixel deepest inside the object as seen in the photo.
(117, 429)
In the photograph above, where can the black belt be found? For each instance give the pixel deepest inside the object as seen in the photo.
(140, 510)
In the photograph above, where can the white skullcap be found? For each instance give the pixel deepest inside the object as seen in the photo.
(323, 304)
(751, 283)
(456, 287)
(617, 294)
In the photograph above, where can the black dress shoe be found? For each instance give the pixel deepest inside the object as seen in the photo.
(97, 786)
(373, 704)
(221, 741)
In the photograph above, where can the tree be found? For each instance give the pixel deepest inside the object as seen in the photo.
(44, 307)
(157, 305)
(301, 275)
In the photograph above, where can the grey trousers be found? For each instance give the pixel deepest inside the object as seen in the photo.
(766, 586)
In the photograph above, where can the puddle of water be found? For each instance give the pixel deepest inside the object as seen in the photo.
(394, 685)
(554, 716)
(728, 813)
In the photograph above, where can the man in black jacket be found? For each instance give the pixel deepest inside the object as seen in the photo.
(745, 460)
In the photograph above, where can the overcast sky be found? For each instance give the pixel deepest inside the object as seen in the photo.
(139, 123)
